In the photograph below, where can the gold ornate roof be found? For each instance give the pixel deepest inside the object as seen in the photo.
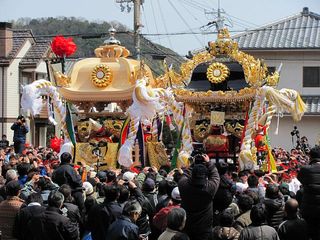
(255, 72)
(109, 77)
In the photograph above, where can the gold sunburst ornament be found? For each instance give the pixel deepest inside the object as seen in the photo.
(101, 76)
(217, 72)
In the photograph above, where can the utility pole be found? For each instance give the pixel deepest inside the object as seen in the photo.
(136, 21)
(137, 27)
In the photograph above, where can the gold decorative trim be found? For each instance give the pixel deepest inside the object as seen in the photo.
(217, 72)
(101, 76)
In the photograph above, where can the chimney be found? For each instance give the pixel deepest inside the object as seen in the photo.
(6, 40)
(305, 11)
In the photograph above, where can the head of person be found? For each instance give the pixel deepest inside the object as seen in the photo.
(11, 175)
(222, 167)
(199, 175)
(66, 190)
(226, 218)
(175, 196)
(55, 199)
(148, 185)
(111, 192)
(170, 186)
(4, 137)
(176, 219)
(102, 176)
(35, 198)
(180, 236)
(258, 214)
(291, 208)
(315, 155)
(13, 159)
(272, 191)
(253, 181)
(162, 187)
(13, 188)
(21, 119)
(65, 158)
(243, 176)
(111, 176)
(23, 169)
(245, 202)
(132, 209)
(124, 194)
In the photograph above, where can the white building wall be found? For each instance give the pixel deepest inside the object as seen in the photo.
(12, 104)
(309, 126)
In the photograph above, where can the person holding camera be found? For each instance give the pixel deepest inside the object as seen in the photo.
(20, 129)
(197, 192)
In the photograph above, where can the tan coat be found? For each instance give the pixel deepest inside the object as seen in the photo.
(8, 211)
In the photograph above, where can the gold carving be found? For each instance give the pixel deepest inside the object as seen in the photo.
(217, 72)
(101, 76)
(62, 80)
(157, 154)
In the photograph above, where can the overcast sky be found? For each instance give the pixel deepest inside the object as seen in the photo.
(164, 16)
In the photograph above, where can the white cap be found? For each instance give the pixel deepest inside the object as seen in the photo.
(175, 194)
(88, 188)
(129, 176)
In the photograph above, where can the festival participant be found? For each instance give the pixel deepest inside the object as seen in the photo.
(258, 229)
(294, 228)
(225, 229)
(65, 174)
(274, 204)
(4, 143)
(309, 176)
(175, 223)
(9, 208)
(19, 135)
(124, 228)
(101, 216)
(245, 204)
(197, 192)
(51, 224)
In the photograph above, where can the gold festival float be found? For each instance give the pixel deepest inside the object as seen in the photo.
(222, 100)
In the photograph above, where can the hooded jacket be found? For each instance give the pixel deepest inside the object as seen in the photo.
(275, 211)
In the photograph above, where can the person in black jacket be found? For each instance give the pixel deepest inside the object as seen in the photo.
(65, 174)
(101, 216)
(20, 129)
(33, 209)
(309, 176)
(294, 228)
(124, 228)
(51, 224)
(197, 192)
(274, 203)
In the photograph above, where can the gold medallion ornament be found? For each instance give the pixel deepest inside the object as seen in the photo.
(101, 76)
(217, 72)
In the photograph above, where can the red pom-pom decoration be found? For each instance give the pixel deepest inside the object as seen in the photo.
(55, 143)
(63, 47)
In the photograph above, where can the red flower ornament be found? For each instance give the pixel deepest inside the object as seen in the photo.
(63, 47)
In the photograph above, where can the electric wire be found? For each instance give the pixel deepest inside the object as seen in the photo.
(155, 21)
(165, 25)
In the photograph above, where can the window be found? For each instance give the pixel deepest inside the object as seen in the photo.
(311, 76)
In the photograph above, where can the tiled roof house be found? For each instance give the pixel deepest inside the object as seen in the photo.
(21, 62)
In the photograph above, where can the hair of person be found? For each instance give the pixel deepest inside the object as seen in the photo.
(258, 214)
(35, 197)
(242, 174)
(170, 186)
(222, 167)
(13, 188)
(162, 187)
(111, 192)
(124, 194)
(177, 176)
(131, 207)
(253, 181)
(272, 191)
(11, 174)
(55, 199)
(175, 219)
(4, 135)
(65, 157)
(245, 202)
(180, 236)
(23, 169)
(226, 218)
(66, 190)
(254, 196)
(111, 176)
(291, 207)
(163, 172)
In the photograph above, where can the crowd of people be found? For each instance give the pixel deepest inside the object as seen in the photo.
(44, 196)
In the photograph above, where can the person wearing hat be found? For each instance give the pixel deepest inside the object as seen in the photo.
(160, 219)
(197, 192)
(9, 208)
(309, 176)
(20, 129)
